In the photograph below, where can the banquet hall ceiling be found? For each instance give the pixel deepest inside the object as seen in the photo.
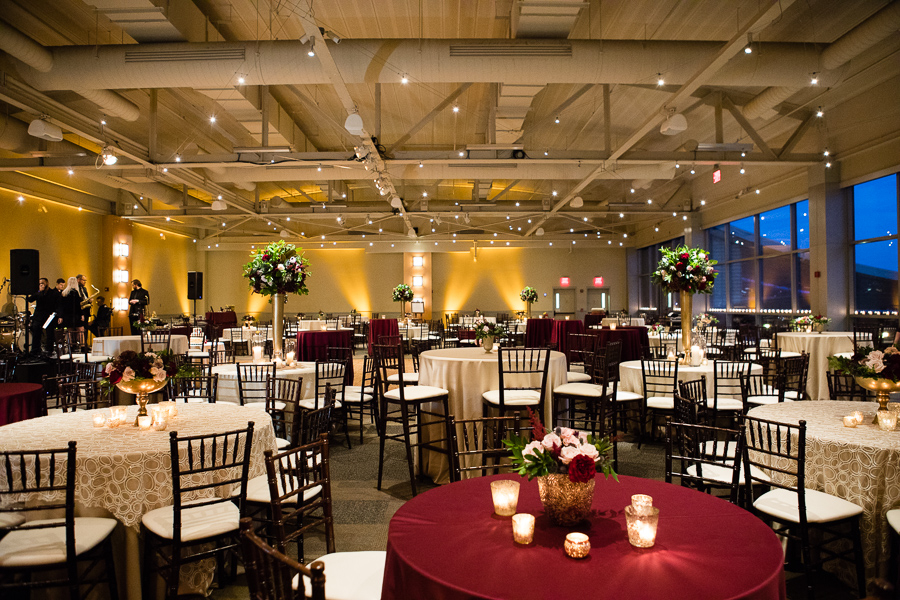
(521, 121)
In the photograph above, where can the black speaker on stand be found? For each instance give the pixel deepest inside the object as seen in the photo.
(195, 289)
(24, 266)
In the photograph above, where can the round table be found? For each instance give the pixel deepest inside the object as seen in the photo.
(538, 332)
(561, 330)
(860, 464)
(19, 401)
(632, 338)
(631, 380)
(113, 345)
(633, 321)
(447, 544)
(819, 346)
(467, 373)
(127, 472)
(228, 385)
(379, 328)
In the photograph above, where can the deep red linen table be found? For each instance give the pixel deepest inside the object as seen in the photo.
(446, 544)
(560, 336)
(633, 338)
(538, 333)
(381, 327)
(313, 345)
(19, 401)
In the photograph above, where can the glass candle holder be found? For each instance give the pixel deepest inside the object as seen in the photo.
(160, 416)
(505, 494)
(887, 420)
(523, 528)
(257, 354)
(171, 408)
(144, 422)
(577, 545)
(850, 421)
(99, 420)
(641, 528)
(857, 414)
(119, 414)
(642, 504)
(612, 326)
(289, 358)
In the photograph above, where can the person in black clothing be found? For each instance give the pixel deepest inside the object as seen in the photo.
(47, 303)
(84, 295)
(70, 314)
(137, 301)
(102, 318)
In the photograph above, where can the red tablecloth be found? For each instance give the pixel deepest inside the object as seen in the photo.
(380, 327)
(590, 320)
(182, 331)
(632, 338)
(538, 333)
(561, 331)
(446, 544)
(313, 345)
(221, 320)
(19, 401)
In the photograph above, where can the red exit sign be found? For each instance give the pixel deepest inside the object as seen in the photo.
(598, 282)
(717, 175)
(564, 281)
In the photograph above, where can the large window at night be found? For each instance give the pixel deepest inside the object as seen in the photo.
(875, 246)
(652, 298)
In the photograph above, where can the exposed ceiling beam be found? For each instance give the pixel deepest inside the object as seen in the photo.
(747, 127)
(554, 114)
(429, 117)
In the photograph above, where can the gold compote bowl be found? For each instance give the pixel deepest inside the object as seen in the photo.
(142, 388)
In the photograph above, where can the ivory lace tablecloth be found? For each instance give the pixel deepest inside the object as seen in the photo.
(819, 346)
(228, 384)
(128, 473)
(115, 344)
(860, 464)
(630, 379)
(467, 373)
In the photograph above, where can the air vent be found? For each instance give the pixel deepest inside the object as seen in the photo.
(144, 56)
(512, 50)
(360, 233)
(474, 165)
(470, 232)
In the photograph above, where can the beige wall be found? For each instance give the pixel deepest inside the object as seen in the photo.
(162, 265)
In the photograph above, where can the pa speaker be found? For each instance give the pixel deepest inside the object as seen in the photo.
(195, 285)
(23, 272)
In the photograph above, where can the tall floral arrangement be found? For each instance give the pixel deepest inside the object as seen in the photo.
(685, 270)
(528, 294)
(402, 293)
(870, 363)
(705, 320)
(277, 269)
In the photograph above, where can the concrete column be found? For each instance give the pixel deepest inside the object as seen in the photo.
(829, 234)
(694, 237)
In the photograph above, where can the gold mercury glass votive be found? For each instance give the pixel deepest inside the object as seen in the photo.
(99, 420)
(523, 528)
(887, 420)
(160, 417)
(859, 416)
(505, 494)
(144, 422)
(850, 421)
(641, 528)
(577, 545)
(642, 504)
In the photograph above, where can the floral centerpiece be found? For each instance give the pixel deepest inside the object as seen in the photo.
(145, 323)
(528, 295)
(487, 332)
(564, 461)
(655, 329)
(704, 320)
(874, 370)
(810, 322)
(248, 320)
(142, 373)
(402, 294)
(687, 271)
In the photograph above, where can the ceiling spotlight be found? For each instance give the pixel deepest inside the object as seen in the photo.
(21, 198)
(703, 203)
(743, 170)
(421, 165)
(624, 235)
(462, 153)
(109, 158)
(748, 49)
(656, 229)
(632, 190)
(424, 194)
(693, 171)
(404, 79)
(820, 112)
(621, 215)
(649, 200)
(757, 190)
(828, 165)
(103, 121)
(743, 154)
(71, 172)
(677, 166)
(814, 79)
(177, 158)
(312, 47)
(659, 80)
(553, 193)
(546, 153)
(826, 153)
(684, 218)
(319, 169)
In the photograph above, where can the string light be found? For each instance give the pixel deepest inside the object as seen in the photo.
(404, 79)
(820, 113)
(659, 80)
(814, 79)
(456, 109)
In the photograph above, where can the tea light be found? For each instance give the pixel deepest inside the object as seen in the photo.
(99, 420)
(612, 326)
(567, 317)
(289, 359)
(887, 420)
(857, 414)
(117, 414)
(523, 528)
(505, 494)
(641, 528)
(850, 421)
(144, 422)
(257, 354)
(160, 419)
(170, 407)
(577, 545)
(642, 504)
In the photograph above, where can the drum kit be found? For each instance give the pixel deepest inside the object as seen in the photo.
(12, 325)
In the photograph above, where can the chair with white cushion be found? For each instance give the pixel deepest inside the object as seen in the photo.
(358, 398)
(727, 397)
(283, 405)
(778, 450)
(757, 391)
(795, 370)
(195, 388)
(292, 475)
(522, 381)
(251, 378)
(690, 461)
(67, 551)
(203, 520)
(581, 346)
(660, 378)
(270, 574)
(408, 406)
(329, 386)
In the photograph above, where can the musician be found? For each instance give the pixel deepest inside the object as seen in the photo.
(103, 317)
(46, 303)
(70, 314)
(85, 296)
(137, 301)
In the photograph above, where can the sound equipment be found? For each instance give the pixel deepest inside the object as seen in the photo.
(195, 285)
(23, 272)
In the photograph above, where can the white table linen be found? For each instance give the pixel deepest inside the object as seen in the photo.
(819, 346)
(630, 379)
(126, 472)
(228, 384)
(114, 345)
(632, 321)
(469, 321)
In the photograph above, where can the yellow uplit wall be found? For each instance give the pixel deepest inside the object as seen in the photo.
(162, 266)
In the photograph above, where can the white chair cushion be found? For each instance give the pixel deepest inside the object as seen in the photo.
(791, 395)
(762, 399)
(580, 389)
(416, 392)
(623, 396)
(407, 377)
(351, 575)
(258, 491)
(661, 403)
(513, 397)
(723, 473)
(278, 404)
(198, 353)
(282, 443)
(356, 389)
(196, 523)
(820, 507)
(357, 398)
(24, 548)
(725, 404)
(11, 519)
(719, 450)
(893, 519)
(577, 377)
(314, 403)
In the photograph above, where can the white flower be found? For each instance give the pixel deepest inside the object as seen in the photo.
(127, 374)
(530, 448)
(590, 451)
(690, 268)
(280, 267)
(568, 453)
(550, 440)
(874, 361)
(701, 256)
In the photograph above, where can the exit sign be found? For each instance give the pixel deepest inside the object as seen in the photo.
(598, 282)
(564, 281)
(717, 175)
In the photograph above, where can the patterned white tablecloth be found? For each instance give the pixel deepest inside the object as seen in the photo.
(113, 345)
(630, 379)
(819, 346)
(860, 464)
(228, 384)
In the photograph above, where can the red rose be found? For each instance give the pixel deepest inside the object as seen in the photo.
(581, 469)
(115, 377)
(685, 256)
(679, 265)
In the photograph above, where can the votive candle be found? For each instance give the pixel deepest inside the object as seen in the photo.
(850, 421)
(523, 528)
(642, 504)
(505, 494)
(99, 420)
(612, 326)
(641, 528)
(577, 545)
(144, 422)
(887, 420)
(289, 359)
(857, 414)
(257, 354)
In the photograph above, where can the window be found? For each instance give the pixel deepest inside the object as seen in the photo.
(875, 247)
(652, 298)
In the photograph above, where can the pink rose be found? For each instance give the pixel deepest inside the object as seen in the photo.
(590, 451)
(550, 440)
(568, 453)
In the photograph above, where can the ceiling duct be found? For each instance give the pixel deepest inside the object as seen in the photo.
(561, 50)
(184, 55)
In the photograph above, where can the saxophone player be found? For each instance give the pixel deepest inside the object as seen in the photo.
(85, 297)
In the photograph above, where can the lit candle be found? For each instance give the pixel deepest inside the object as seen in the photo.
(850, 421)
(857, 414)
(577, 545)
(160, 418)
(642, 504)
(641, 528)
(567, 317)
(523, 528)
(289, 359)
(505, 494)
(887, 420)
(257, 354)
(612, 326)
(99, 420)
(144, 422)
